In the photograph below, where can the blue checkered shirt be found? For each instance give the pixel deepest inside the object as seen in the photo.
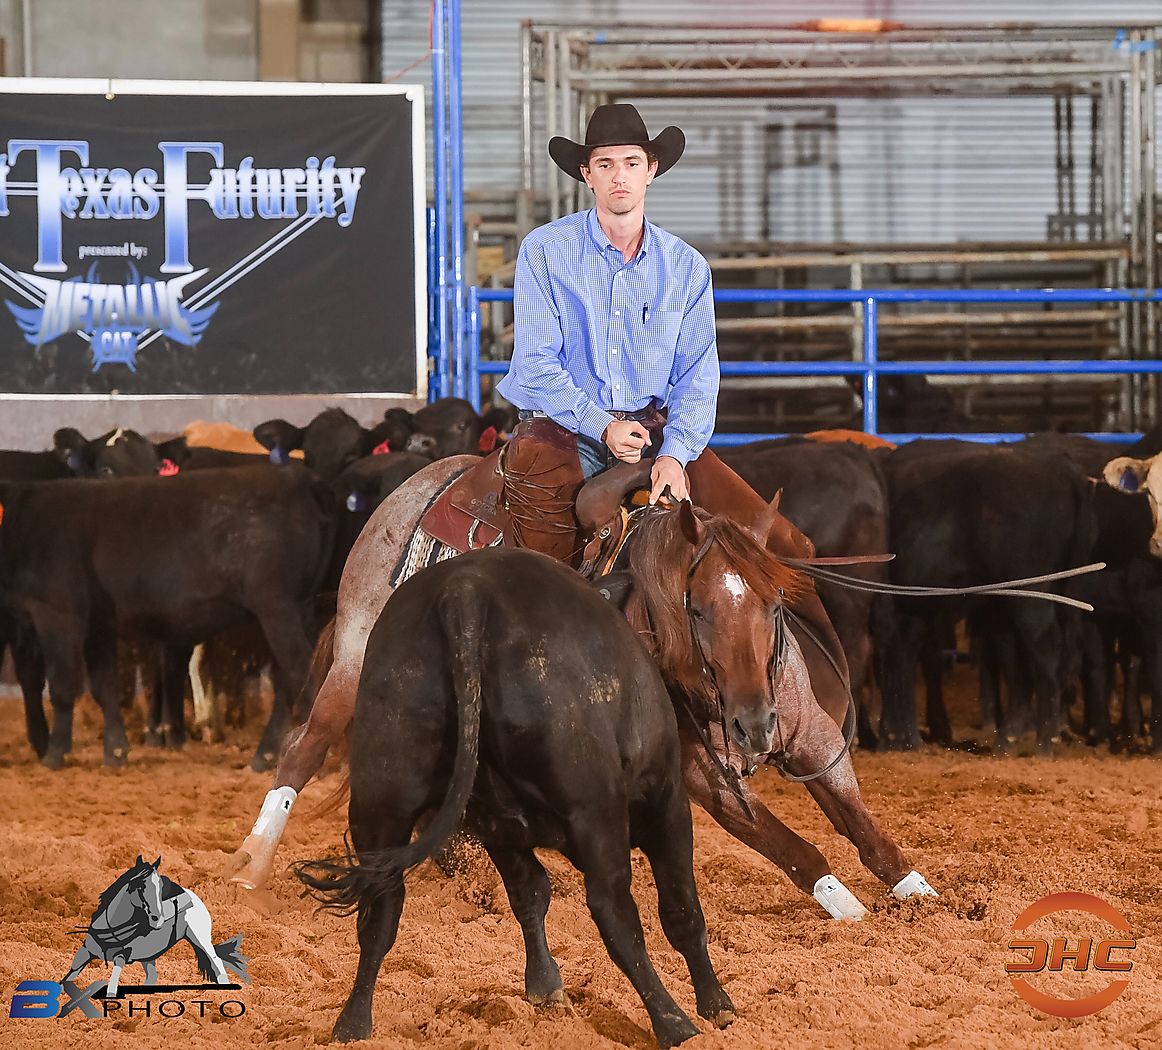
(595, 334)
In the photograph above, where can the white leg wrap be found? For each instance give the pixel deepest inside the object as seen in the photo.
(837, 900)
(913, 885)
(276, 809)
(255, 859)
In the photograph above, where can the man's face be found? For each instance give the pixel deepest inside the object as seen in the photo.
(618, 177)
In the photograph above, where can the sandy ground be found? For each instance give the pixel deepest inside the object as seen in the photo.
(992, 834)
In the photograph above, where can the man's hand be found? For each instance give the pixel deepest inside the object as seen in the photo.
(668, 472)
(626, 438)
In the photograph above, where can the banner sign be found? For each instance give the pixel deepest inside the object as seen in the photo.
(167, 238)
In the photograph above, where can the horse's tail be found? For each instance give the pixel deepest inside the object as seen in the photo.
(341, 885)
(233, 959)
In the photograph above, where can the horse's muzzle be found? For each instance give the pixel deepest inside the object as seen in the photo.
(754, 733)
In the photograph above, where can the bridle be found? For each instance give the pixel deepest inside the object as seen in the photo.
(778, 758)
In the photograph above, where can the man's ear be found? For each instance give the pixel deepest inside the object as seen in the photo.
(1126, 474)
(279, 434)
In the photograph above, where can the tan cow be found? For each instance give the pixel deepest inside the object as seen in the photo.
(226, 437)
(1127, 474)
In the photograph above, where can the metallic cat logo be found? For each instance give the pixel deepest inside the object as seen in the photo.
(113, 317)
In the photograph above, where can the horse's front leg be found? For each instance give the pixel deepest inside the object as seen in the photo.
(804, 865)
(115, 979)
(84, 956)
(815, 742)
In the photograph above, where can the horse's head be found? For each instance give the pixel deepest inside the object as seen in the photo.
(711, 600)
(144, 888)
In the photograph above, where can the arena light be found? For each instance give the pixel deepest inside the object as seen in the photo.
(851, 25)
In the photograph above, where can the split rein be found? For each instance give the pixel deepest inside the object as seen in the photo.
(779, 758)
(813, 567)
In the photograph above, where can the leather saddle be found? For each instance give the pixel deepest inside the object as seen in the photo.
(470, 513)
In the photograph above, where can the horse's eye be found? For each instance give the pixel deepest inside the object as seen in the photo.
(697, 614)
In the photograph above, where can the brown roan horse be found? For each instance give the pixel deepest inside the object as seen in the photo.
(750, 681)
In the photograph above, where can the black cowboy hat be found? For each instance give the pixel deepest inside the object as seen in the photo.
(619, 124)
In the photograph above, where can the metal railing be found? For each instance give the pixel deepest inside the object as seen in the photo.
(469, 365)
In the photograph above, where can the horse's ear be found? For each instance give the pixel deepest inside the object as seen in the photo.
(137, 863)
(762, 528)
(156, 864)
(692, 528)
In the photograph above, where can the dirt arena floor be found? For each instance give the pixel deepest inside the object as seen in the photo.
(992, 834)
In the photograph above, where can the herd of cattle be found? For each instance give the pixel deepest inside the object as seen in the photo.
(121, 556)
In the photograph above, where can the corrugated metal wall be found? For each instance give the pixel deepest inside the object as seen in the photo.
(909, 169)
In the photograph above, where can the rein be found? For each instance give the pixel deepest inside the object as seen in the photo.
(777, 759)
(1004, 588)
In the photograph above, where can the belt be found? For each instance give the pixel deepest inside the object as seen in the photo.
(649, 417)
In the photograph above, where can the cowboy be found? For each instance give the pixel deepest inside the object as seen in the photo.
(614, 320)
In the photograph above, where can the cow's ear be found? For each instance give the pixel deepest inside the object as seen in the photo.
(397, 426)
(72, 448)
(502, 418)
(279, 434)
(177, 450)
(1126, 474)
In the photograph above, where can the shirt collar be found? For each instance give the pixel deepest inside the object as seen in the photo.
(597, 235)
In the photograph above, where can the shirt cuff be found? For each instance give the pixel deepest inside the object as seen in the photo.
(593, 422)
(676, 450)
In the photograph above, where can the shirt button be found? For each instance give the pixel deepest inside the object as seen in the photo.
(616, 386)
(614, 350)
(616, 313)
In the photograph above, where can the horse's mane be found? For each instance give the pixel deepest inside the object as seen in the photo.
(660, 560)
(118, 885)
(169, 888)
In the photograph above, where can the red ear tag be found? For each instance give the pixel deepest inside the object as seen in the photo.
(487, 440)
(1, 513)
(168, 468)
(381, 449)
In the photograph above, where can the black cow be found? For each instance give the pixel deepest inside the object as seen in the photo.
(1126, 623)
(528, 705)
(836, 495)
(332, 441)
(170, 559)
(963, 514)
(447, 427)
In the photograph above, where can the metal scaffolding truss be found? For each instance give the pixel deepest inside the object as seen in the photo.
(567, 69)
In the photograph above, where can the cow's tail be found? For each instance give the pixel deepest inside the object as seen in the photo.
(342, 885)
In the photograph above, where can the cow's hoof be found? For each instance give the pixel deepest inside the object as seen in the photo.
(53, 759)
(674, 1029)
(116, 757)
(153, 738)
(556, 997)
(349, 1030)
(264, 762)
(722, 1019)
